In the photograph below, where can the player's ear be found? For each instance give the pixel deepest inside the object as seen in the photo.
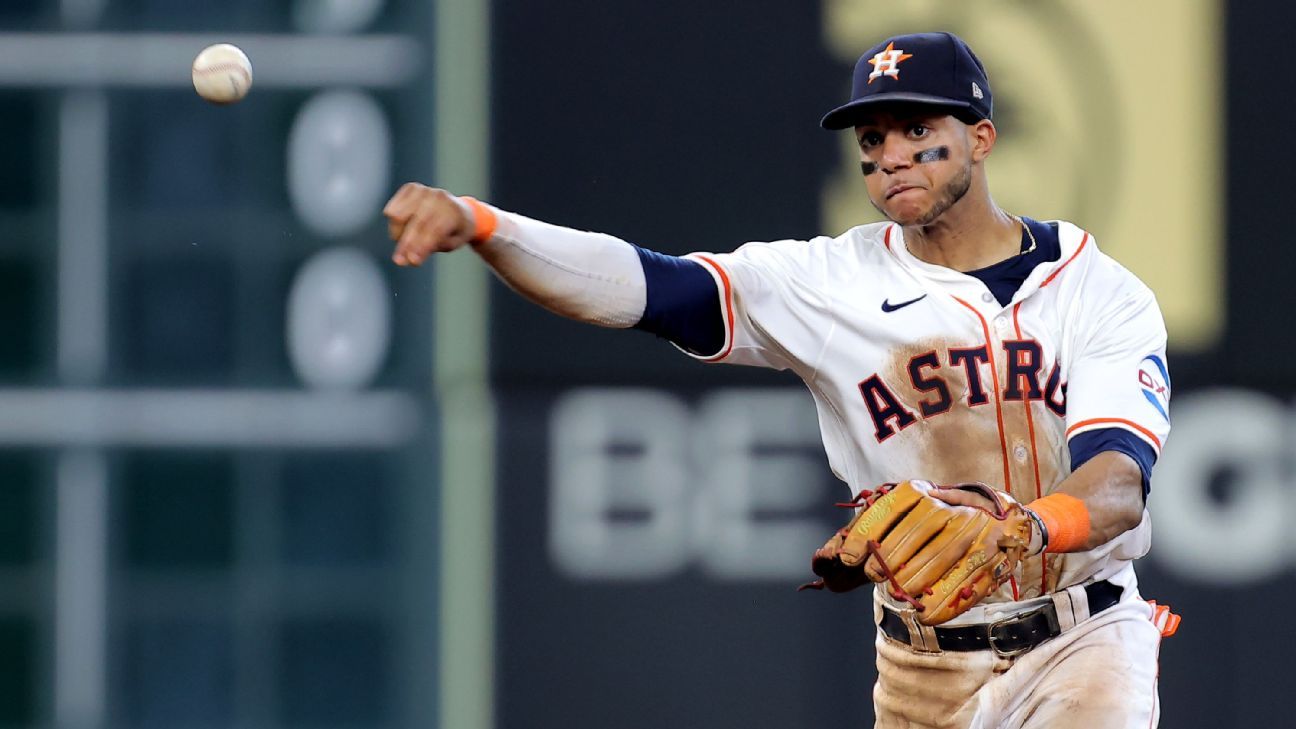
(981, 139)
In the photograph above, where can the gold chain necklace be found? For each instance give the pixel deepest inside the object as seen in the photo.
(1029, 234)
(1024, 226)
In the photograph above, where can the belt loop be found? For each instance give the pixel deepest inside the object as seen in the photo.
(921, 637)
(1079, 604)
(1064, 605)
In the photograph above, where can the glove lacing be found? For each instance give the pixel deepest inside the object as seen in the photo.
(866, 498)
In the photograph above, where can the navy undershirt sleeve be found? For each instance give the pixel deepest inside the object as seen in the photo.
(1089, 444)
(683, 303)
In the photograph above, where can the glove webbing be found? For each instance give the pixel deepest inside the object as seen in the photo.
(865, 498)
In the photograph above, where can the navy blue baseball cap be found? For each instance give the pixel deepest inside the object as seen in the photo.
(923, 68)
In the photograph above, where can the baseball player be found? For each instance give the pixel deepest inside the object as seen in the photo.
(960, 344)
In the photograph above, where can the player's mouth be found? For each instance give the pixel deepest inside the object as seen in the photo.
(900, 188)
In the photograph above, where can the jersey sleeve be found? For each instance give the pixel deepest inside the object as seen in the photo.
(772, 302)
(1119, 377)
(1084, 446)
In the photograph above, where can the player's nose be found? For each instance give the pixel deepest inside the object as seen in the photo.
(897, 153)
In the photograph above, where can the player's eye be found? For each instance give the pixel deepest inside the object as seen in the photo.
(918, 131)
(870, 139)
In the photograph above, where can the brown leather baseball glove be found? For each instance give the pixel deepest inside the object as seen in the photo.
(940, 558)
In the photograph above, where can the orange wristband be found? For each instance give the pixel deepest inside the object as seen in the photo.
(1067, 520)
(484, 219)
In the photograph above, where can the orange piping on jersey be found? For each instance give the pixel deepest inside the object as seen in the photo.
(1030, 428)
(1030, 420)
(1121, 421)
(994, 375)
(886, 237)
(1053, 275)
(729, 314)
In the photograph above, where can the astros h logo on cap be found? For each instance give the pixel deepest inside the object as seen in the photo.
(887, 63)
(939, 70)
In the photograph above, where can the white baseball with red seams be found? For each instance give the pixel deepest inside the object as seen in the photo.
(222, 73)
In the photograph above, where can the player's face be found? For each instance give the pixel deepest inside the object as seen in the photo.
(917, 163)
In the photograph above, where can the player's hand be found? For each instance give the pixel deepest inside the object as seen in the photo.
(425, 220)
(964, 497)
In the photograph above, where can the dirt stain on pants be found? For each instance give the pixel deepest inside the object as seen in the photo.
(1100, 673)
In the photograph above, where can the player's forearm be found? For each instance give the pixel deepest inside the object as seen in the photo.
(1109, 487)
(590, 277)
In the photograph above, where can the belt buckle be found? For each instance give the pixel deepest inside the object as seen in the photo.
(1053, 625)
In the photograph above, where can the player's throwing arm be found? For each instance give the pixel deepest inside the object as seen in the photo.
(591, 277)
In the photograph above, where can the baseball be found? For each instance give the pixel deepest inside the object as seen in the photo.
(222, 74)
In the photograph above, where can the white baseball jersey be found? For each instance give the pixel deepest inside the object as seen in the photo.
(919, 372)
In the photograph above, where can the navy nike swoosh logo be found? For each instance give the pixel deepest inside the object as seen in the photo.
(888, 307)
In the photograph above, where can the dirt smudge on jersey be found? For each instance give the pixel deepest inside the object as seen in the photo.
(961, 444)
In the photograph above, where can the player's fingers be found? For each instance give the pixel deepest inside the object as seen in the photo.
(395, 228)
(396, 204)
(408, 240)
(404, 202)
(962, 497)
(411, 248)
(424, 235)
(409, 200)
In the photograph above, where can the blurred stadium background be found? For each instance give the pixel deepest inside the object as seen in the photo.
(251, 475)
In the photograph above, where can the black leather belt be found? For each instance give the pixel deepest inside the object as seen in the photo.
(1008, 637)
